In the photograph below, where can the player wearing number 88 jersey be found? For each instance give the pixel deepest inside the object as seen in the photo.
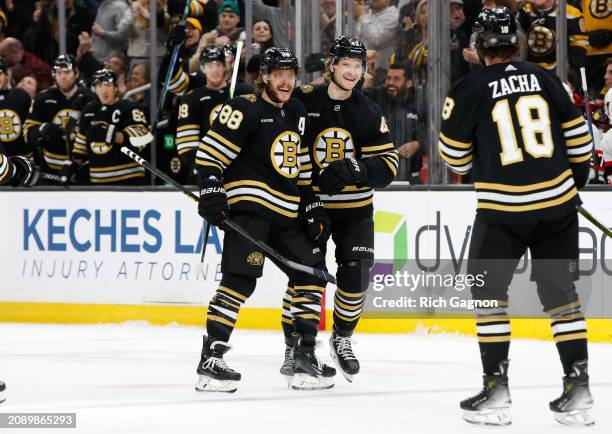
(528, 147)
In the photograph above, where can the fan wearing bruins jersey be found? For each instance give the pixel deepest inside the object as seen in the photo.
(106, 125)
(598, 26)
(254, 166)
(352, 153)
(199, 107)
(54, 114)
(528, 148)
(538, 18)
(14, 106)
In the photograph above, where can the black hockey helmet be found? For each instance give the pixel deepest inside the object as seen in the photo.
(495, 28)
(278, 58)
(104, 76)
(212, 53)
(3, 66)
(64, 61)
(348, 46)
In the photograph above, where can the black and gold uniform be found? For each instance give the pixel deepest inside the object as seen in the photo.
(95, 141)
(540, 26)
(6, 170)
(254, 166)
(528, 148)
(53, 107)
(18, 171)
(14, 107)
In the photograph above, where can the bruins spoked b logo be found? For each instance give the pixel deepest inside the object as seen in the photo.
(333, 144)
(284, 154)
(541, 40)
(601, 9)
(10, 125)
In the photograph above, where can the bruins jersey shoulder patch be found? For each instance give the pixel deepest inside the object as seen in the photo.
(249, 97)
(307, 88)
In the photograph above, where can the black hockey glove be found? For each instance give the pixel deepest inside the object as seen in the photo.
(341, 173)
(26, 173)
(50, 135)
(67, 173)
(176, 36)
(213, 201)
(315, 218)
(101, 133)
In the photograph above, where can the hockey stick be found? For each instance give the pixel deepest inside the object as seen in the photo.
(205, 231)
(173, 60)
(270, 252)
(587, 106)
(587, 215)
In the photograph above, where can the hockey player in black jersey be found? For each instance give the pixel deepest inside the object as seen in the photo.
(14, 106)
(528, 148)
(254, 167)
(106, 125)
(54, 114)
(351, 153)
(200, 106)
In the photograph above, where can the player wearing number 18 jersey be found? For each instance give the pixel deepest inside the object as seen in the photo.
(528, 148)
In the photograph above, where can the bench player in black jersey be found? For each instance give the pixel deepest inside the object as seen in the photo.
(351, 153)
(528, 148)
(200, 106)
(54, 114)
(14, 106)
(254, 166)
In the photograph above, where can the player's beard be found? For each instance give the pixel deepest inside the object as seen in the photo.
(67, 88)
(272, 93)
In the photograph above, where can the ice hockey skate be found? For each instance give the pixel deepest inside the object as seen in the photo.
(286, 369)
(492, 405)
(309, 373)
(213, 373)
(341, 351)
(574, 405)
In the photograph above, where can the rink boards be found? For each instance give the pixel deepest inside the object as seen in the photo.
(108, 256)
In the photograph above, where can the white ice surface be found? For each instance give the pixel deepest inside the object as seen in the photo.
(137, 378)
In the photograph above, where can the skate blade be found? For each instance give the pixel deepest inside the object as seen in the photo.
(288, 379)
(207, 384)
(310, 382)
(491, 416)
(349, 377)
(575, 418)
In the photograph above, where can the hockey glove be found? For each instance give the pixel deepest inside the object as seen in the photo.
(101, 133)
(341, 173)
(213, 201)
(67, 173)
(50, 135)
(316, 220)
(25, 173)
(176, 36)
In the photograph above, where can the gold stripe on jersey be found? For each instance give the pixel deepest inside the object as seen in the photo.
(348, 205)
(572, 123)
(115, 178)
(5, 168)
(350, 197)
(100, 175)
(54, 161)
(223, 140)
(578, 140)
(80, 144)
(216, 151)
(376, 149)
(187, 138)
(523, 188)
(456, 154)
(263, 202)
(179, 83)
(261, 193)
(389, 155)
(536, 206)
(29, 123)
(455, 143)
(305, 176)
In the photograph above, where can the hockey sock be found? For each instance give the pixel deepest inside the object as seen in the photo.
(306, 311)
(287, 318)
(349, 297)
(493, 329)
(224, 307)
(570, 334)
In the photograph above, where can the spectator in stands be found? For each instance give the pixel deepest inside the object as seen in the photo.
(538, 18)
(23, 63)
(227, 33)
(135, 27)
(276, 16)
(378, 29)
(106, 39)
(328, 23)
(397, 102)
(139, 77)
(459, 41)
(40, 39)
(19, 17)
(29, 84)
(79, 18)
(263, 38)
(118, 64)
(413, 47)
